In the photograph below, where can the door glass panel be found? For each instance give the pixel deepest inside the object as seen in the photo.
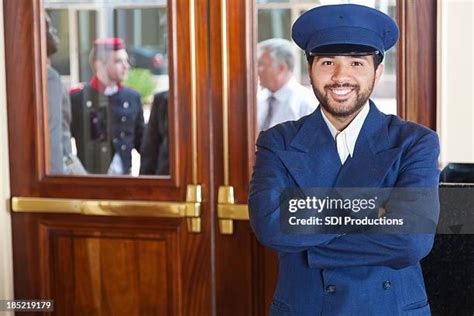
(108, 88)
(275, 19)
(60, 59)
(86, 29)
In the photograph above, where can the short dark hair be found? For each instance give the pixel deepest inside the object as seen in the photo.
(52, 39)
(378, 58)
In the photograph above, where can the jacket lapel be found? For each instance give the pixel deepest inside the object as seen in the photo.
(312, 158)
(373, 156)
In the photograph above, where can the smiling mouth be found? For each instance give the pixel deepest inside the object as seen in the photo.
(341, 94)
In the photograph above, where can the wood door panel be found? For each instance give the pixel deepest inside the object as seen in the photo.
(112, 266)
(234, 269)
(247, 273)
(112, 276)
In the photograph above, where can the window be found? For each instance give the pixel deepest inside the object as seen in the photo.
(275, 18)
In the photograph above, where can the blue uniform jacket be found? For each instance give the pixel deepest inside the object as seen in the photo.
(353, 274)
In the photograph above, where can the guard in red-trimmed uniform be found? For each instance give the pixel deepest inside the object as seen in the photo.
(107, 118)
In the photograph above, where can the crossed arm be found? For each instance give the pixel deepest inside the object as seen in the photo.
(418, 169)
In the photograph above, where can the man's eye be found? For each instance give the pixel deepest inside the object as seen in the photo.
(327, 63)
(357, 63)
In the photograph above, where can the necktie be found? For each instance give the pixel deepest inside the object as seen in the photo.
(271, 101)
(342, 147)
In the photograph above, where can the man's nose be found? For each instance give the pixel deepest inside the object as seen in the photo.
(341, 73)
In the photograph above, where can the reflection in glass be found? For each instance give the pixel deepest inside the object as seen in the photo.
(87, 30)
(113, 58)
(275, 18)
(60, 59)
(279, 19)
(281, 97)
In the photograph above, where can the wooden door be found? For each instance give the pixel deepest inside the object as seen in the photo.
(113, 246)
(179, 245)
(246, 272)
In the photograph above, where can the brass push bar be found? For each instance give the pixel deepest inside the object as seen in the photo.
(191, 209)
(228, 211)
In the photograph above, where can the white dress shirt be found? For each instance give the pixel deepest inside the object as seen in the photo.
(346, 139)
(293, 101)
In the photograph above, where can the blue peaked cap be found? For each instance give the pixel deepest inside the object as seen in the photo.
(344, 29)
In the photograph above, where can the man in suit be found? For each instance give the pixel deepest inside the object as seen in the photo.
(61, 158)
(347, 143)
(282, 97)
(59, 107)
(154, 154)
(107, 118)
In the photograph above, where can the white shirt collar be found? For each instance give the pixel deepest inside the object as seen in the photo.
(110, 90)
(352, 130)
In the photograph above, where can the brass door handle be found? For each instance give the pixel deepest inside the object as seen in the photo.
(191, 209)
(228, 211)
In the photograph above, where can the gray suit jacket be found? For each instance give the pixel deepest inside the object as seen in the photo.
(59, 120)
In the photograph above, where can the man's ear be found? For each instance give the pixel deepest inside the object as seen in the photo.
(282, 67)
(97, 65)
(378, 73)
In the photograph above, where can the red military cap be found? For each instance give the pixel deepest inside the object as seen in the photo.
(114, 43)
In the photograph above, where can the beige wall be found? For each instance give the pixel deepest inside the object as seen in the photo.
(6, 271)
(456, 80)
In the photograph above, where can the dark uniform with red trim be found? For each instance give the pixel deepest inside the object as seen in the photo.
(105, 125)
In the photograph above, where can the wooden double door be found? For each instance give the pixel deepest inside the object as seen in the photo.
(143, 245)
(177, 245)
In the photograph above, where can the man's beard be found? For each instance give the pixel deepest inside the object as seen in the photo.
(344, 110)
